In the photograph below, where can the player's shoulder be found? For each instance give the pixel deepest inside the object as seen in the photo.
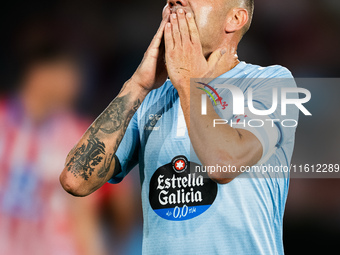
(162, 90)
(156, 95)
(72, 121)
(273, 71)
(157, 98)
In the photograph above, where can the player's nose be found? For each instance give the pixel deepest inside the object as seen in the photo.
(174, 5)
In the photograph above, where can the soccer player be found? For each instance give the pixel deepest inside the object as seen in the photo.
(158, 123)
(35, 215)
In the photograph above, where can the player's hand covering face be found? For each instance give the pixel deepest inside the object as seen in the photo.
(183, 51)
(152, 73)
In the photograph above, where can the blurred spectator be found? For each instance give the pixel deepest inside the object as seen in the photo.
(38, 128)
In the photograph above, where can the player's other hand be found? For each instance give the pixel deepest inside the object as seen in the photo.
(152, 73)
(183, 51)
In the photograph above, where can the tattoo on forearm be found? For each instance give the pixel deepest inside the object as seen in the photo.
(112, 118)
(106, 166)
(86, 157)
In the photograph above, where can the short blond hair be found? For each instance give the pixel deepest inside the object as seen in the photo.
(249, 6)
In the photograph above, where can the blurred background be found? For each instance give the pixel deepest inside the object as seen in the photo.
(62, 62)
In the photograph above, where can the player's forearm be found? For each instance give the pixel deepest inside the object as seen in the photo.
(92, 162)
(222, 145)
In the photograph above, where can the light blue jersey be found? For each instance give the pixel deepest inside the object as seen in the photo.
(187, 213)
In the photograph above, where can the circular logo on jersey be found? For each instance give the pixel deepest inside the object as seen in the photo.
(179, 164)
(179, 193)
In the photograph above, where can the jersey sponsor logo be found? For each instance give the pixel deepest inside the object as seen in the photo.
(179, 164)
(178, 194)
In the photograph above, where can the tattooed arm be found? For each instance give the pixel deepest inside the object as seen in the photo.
(92, 162)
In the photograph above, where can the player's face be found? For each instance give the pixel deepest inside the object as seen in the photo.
(210, 16)
(59, 81)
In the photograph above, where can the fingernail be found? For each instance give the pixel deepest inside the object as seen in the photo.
(180, 11)
(174, 16)
(189, 15)
(168, 25)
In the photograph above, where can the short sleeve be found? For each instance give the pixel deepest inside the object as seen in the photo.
(127, 152)
(272, 130)
(278, 129)
(263, 127)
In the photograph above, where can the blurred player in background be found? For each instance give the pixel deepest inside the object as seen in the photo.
(38, 128)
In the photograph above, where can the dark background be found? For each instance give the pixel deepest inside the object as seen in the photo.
(111, 37)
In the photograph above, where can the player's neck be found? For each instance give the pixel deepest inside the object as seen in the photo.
(228, 61)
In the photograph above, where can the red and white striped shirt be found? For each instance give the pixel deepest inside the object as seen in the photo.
(34, 216)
